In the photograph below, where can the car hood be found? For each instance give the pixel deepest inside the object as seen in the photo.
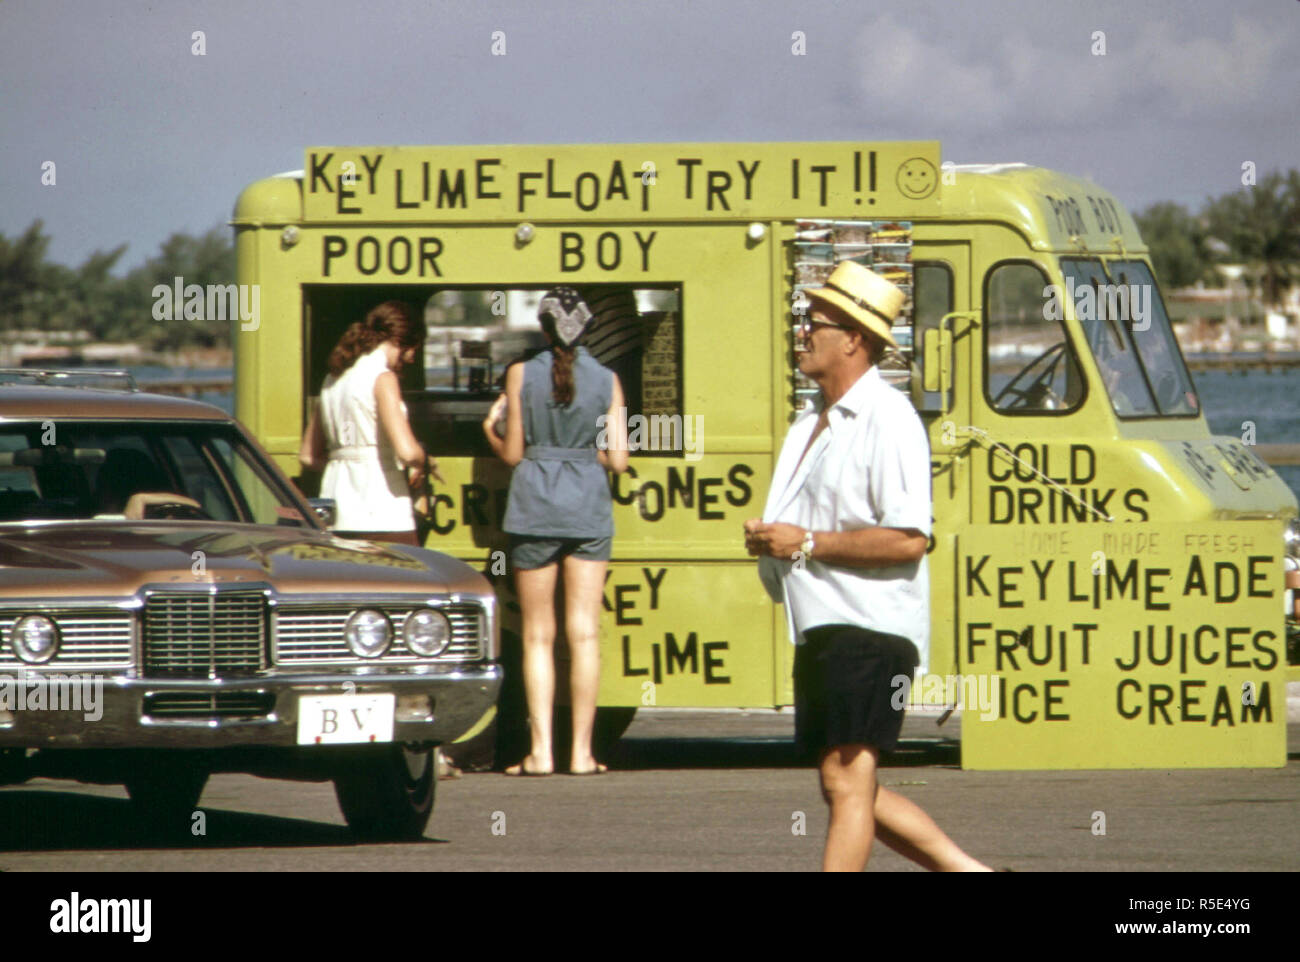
(106, 559)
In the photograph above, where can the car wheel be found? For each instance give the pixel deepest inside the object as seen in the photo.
(13, 766)
(164, 796)
(386, 793)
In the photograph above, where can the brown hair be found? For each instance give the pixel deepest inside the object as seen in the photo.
(562, 386)
(389, 321)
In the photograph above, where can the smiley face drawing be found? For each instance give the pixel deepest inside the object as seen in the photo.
(917, 178)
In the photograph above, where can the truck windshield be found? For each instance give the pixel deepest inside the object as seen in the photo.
(1124, 322)
(1156, 345)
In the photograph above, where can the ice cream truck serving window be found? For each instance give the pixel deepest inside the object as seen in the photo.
(474, 333)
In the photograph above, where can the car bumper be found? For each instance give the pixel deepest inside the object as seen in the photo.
(435, 706)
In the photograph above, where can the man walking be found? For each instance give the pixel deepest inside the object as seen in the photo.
(842, 543)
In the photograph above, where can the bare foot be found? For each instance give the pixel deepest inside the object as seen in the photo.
(593, 767)
(529, 767)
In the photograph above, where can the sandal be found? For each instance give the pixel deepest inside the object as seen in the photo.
(522, 769)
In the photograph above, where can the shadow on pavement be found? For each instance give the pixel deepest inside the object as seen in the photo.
(37, 820)
(638, 754)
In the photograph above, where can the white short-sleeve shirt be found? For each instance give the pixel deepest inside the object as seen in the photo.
(363, 474)
(869, 467)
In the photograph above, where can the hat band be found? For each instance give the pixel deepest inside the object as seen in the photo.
(861, 303)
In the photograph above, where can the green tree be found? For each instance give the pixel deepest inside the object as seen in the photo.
(203, 260)
(1261, 226)
(28, 283)
(1178, 244)
(37, 294)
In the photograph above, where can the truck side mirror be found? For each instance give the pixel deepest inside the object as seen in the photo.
(934, 393)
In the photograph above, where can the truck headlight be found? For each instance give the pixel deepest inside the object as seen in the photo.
(35, 639)
(426, 632)
(368, 633)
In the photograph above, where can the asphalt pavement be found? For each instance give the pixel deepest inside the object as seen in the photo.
(694, 791)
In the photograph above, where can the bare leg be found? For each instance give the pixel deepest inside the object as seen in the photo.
(584, 585)
(848, 779)
(536, 590)
(907, 829)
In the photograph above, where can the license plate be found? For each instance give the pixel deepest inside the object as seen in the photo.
(345, 719)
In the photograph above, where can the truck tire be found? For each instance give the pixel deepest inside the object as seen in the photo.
(164, 796)
(611, 722)
(386, 792)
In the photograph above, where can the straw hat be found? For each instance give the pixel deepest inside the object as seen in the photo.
(864, 296)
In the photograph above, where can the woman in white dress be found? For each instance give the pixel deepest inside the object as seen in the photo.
(360, 434)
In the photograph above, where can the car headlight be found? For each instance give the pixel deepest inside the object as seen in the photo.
(426, 632)
(35, 639)
(1291, 538)
(368, 633)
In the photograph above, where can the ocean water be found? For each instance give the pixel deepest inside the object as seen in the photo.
(1269, 401)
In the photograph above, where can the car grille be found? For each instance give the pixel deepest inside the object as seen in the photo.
(204, 634)
(88, 639)
(315, 634)
(204, 705)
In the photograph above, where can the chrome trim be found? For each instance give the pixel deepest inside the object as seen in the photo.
(312, 634)
(86, 642)
(57, 377)
(123, 621)
(61, 604)
(175, 592)
(461, 695)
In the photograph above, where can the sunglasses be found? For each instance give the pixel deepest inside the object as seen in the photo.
(806, 326)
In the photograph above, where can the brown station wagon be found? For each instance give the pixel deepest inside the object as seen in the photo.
(170, 606)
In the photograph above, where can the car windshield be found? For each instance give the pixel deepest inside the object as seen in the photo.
(99, 471)
(1124, 322)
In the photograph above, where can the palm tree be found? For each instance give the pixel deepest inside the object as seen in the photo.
(1261, 226)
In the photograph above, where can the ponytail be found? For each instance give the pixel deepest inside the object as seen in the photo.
(562, 386)
(562, 375)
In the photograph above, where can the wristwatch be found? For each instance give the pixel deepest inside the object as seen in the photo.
(807, 546)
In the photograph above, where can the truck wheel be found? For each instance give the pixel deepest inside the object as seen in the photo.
(386, 792)
(164, 797)
(611, 722)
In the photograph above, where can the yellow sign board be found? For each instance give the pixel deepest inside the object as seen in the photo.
(1123, 645)
(642, 182)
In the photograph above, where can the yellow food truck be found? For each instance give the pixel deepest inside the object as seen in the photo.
(1107, 577)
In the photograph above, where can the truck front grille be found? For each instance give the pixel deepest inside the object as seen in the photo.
(204, 634)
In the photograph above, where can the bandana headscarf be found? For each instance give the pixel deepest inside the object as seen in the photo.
(570, 311)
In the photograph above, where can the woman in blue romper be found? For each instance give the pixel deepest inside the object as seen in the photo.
(565, 426)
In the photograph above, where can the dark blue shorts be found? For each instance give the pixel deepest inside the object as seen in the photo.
(846, 686)
(528, 552)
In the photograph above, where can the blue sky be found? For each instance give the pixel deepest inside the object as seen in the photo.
(148, 138)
